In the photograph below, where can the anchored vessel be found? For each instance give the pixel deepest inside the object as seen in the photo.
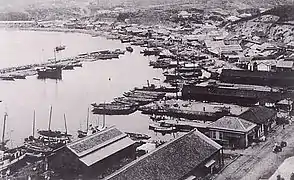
(113, 108)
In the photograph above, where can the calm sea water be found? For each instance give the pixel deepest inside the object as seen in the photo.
(78, 88)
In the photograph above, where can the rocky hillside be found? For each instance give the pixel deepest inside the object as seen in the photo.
(276, 24)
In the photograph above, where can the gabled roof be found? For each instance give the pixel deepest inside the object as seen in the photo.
(258, 114)
(171, 161)
(233, 124)
(98, 146)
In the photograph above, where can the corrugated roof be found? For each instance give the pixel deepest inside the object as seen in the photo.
(171, 161)
(98, 146)
(233, 124)
(258, 114)
(106, 151)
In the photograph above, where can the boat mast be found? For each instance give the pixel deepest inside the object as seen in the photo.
(54, 55)
(34, 123)
(88, 119)
(3, 132)
(104, 116)
(65, 125)
(50, 118)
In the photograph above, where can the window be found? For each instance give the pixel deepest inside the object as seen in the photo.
(221, 135)
(213, 134)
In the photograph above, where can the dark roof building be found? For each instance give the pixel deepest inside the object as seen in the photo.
(258, 114)
(262, 116)
(284, 78)
(95, 154)
(232, 132)
(230, 93)
(186, 156)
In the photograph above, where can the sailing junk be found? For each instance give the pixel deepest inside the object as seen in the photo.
(48, 141)
(10, 159)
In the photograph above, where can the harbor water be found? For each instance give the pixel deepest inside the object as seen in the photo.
(98, 81)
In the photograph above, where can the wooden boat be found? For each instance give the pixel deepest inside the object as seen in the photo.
(7, 78)
(125, 40)
(151, 51)
(152, 87)
(106, 56)
(158, 125)
(10, 158)
(68, 67)
(135, 101)
(129, 48)
(113, 109)
(50, 73)
(119, 51)
(59, 48)
(165, 129)
(143, 95)
(18, 76)
(137, 136)
(90, 129)
(47, 141)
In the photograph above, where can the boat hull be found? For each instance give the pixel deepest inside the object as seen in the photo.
(114, 111)
(55, 73)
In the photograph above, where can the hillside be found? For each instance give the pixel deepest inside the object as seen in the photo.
(20, 4)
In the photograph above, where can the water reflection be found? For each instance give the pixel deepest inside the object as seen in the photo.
(94, 82)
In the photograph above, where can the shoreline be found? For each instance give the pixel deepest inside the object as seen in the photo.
(64, 30)
(28, 70)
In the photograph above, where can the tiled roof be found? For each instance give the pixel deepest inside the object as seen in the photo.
(92, 141)
(171, 161)
(233, 124)
(258, 114)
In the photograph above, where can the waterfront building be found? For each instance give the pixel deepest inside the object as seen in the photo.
(95, 154)
(190, 156)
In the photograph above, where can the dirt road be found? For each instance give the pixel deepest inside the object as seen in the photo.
(259, 162)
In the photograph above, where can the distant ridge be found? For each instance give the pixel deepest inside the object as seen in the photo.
(240, 4)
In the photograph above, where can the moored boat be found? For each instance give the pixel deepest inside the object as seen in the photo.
(129, 48)
(48, 141)
(10, 158)
(50, 73)
(165, 129)
(90, 128)
(60, 48)
(138, 136)
(113, 109)
(152, 87)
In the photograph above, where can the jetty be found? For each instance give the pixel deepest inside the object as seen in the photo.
(20, 72)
